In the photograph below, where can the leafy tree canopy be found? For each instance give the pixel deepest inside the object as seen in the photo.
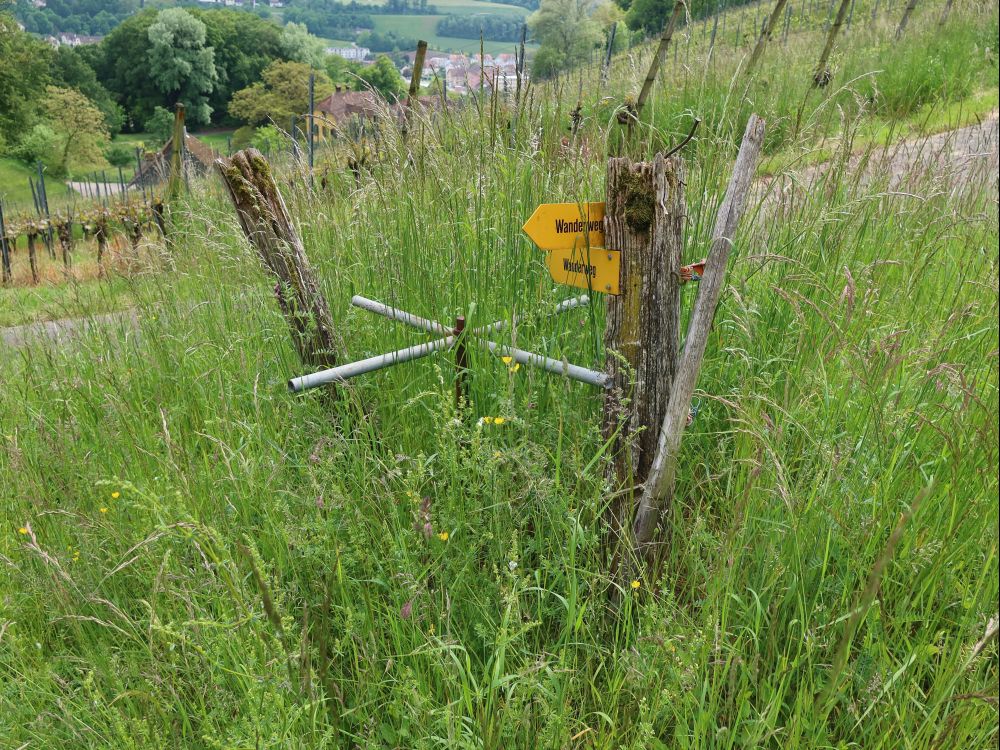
(24, 71)
(283, 92)
(81, 134)
(567, 32)
(384, 78)
(181, 64)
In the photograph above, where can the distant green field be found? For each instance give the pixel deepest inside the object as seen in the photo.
(425, 27)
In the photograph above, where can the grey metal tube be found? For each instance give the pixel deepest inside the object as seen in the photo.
(353, 369)
(555, 366)
(402, 316)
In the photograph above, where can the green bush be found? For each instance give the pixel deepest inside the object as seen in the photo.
(39, 145)
(120, 154)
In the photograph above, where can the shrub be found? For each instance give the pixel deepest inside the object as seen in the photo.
(120, 154)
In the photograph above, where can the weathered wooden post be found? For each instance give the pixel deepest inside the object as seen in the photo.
(644, 219)
(267, 225)
(417, 73)
(101, 235)
(907, 12)
(822, 74)
(32, 231)
(176, 156)
(658, 484)
(4, 249)
(765, 35)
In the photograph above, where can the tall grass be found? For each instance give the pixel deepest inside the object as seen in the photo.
(193, 557)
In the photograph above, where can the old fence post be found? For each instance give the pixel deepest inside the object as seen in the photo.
(644, 219)
(267, 225)
(658, 488)
(4, 249)
(176, 156)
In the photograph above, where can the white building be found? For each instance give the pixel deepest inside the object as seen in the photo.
(354, 53)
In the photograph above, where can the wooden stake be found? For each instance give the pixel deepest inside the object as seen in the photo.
(822, 74)
(765, 36)
(176, 156)
(644, 218)
(905, 19)
(267, 225)
(658, 492)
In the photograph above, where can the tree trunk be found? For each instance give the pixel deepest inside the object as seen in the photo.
(765, 35)
(658, 491)
(822, 75)
(905, 19)
(944, 15)
(644, 218)
(267, 225)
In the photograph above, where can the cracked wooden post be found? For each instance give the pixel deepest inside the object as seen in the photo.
(267, 225)
(644, 219)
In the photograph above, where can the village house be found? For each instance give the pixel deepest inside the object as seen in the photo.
(342, 106)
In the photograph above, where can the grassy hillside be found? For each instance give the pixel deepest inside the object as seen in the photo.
(194, 557)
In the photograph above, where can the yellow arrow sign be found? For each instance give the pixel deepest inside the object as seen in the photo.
(561, 226)
(595, 270)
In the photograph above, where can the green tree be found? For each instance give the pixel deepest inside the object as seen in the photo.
(180, 64)
(72, 70)
(81, 134)
(160, 125)
(283, 92)
(298, 45)
(567, 32)
(123, 68)
(384, 78)
(24, 72)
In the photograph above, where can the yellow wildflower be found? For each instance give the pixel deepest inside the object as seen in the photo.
(443, 536)
(506, 360)
(104, 509)
(498, 420)
(23, 531)
(635, 585)
(115, 495)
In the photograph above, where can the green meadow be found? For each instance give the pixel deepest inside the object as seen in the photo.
(191, 556)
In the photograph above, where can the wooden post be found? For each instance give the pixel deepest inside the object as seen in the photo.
(418, 71)
(822, 74)
(4, 249)
(644, 219)
(267, 225)
(176, 156)
(32, 232)
(905, 19)
(101, 235)
(661, 48)
(658, 490)
(765, 35)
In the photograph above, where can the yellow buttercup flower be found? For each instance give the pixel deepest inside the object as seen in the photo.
(635, 585)
(104, 509)
(115, 495)
(23, 531)
(443, 536)
(506, 360)
(498, 420)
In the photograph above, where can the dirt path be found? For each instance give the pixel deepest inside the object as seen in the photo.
(60, 331)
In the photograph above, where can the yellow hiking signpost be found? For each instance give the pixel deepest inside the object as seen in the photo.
(573, 236)
(596, 269)
(563, 226)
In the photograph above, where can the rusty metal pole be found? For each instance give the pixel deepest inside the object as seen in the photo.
(461, 361)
